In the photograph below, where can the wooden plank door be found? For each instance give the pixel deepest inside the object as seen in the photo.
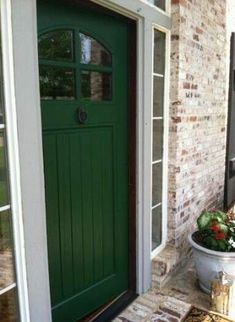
(83, 85)
(230, 155)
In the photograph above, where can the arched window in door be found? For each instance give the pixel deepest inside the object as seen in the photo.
(74, 65)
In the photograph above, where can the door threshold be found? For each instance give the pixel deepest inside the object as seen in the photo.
(110, 310)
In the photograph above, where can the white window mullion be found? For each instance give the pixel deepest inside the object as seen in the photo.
(159, 209)
(4, 208)
(157, 161)
(8, 288)
(157, 205)
(158, 75)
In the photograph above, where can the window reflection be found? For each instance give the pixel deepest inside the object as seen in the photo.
(156, 226)
(96, 86)
(157, 184)
(56, 45)
(1, 97)
(159, 52)
(158, 96)
(92, 52)
(3, 175)
(157, 139)
(6, 258)
(57, 83)
(8, 308)
(159, 3)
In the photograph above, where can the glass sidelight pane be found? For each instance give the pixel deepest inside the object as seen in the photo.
(56, 45)
(159, 3)
(1, 95)
(92, 52)
(157, 184)
(159, 52)
(158, 96)
(96, 86)
(6, 252)
(8, 297)
(57, 83)
(156, 226)
(3, 173)
(8, 306)
(157, 139)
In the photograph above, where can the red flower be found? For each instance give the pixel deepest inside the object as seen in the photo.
(214, 228)
(220, 235)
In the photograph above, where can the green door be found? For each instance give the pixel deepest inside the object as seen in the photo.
(83, 86)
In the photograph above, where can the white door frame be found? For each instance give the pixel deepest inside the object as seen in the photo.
(31, 178)
(147, 18)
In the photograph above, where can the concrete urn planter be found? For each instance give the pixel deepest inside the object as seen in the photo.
(209, 262)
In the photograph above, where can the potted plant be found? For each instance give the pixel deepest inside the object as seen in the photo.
(213, 246)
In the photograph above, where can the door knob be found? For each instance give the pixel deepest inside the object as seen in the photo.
(81, 115)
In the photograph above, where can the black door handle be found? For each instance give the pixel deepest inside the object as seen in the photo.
(81, 115)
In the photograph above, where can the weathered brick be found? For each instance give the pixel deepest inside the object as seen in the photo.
(170, 312)
(171, 319)
(199, 30)
(186, 85)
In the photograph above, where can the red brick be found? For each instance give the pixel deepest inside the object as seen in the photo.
(194, 86)
(186, 204)
(180, 2)
(199, 30)
(193, 118)
(170, 312)
(176, 119)
(186, 85)
(171, 319)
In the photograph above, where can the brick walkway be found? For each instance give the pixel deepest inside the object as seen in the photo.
(171, 304)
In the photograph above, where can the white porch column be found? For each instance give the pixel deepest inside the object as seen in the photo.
(24, 32)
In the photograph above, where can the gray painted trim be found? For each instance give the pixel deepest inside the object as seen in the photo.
(137, 8)
(31, 159)
(147, 17)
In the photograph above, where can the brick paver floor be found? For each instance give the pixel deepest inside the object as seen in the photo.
(171, 303)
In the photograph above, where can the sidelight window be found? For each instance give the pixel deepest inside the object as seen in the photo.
(8, 283)
(158, 137)
(158, 3)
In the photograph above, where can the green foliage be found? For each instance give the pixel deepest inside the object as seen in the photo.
(207, 217)
(217, 231)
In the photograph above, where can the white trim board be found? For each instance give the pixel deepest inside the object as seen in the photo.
(148, 19)
(13, 159)
(137, 9)
(28, 114)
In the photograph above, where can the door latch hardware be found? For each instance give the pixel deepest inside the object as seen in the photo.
(81, 115)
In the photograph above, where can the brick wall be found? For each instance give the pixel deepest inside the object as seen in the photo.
(198, 110)
(230, 26)
(199, 80)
